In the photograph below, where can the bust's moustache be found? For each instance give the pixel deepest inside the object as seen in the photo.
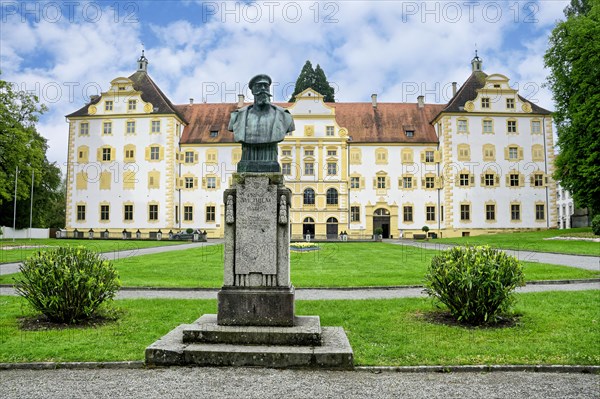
(263, 92)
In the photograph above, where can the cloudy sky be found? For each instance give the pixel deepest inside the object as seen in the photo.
(207, 50)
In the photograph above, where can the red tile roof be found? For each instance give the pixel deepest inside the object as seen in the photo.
(384, 124)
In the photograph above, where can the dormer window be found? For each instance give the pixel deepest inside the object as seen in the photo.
(496, 86)
(510, 103)
(108, 105)
(485, 102)
(410, 133)
(214, 133)
(121, 88)
(131, 105)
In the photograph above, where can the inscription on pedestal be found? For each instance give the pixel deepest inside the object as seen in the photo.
(256, 228)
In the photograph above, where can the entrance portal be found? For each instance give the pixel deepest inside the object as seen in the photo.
(381, 219)
(308, 228)
(332, 228)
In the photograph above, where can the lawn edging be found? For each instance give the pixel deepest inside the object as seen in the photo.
(541, 368)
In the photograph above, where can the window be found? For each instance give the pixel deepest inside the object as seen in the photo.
(515, 212)
(332, 196)
(355, 214)
(462, 126)
(210, 213)
(381, 182)
(131, 105)
(131, 127)
(154, 153)
(537, 152)
(410, 133)
(489, 152)
(511, 126)
(488, 126)
(355, 155)
(153, 212)
(381, 156)
(106, 152)
(485, 102)
(309, 196)
(489, 179)
(309, 153)
(80, 212)
(129, 154)
(429, 182)
(429, 156)
(154, 179)
(463, 180)
(286, 153)
(214, 133)
(490, 212)
(331, 153)
(107, 128)
(155, 127)
(128, 212)
(189, 157)
(329, 131)
(513, 153)
(354, 182)
(189, 182)
(331, 168)
(104, 212)
(408, 213)
(286, 168)
(211, 182)
(538, 180)
(188, 213)
(309, 168)
(465, 212)
(84, 129)
(513, 179)
(540, 212)
(407, 182)
(108, 105)
(536, 127)
(464, 152)
(430, 213)
(510, 103)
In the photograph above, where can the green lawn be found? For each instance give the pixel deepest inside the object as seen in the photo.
(532, 241)
(555, 328)
(8, 254)
(335, 265)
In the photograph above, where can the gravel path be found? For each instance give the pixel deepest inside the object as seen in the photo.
(587, 262)
(268, 383)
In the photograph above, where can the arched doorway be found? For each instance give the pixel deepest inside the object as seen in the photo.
(308, 227)
(332, 228)
(381, 219)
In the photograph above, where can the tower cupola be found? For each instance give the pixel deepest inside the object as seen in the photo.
(142, 63)
(476, 63)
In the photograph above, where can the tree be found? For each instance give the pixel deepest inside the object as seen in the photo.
(573, 58)
(314, 79)
(23, 147)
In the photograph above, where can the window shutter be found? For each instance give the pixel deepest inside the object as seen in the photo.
(438, 182)
(497, 180)
(422, 156)
(362, 182)
(531, 180)
(437, 156)
(161, 153)
(422, 182)
(506, 153)
(113, 154)
(99, 154)
(472, 179)
(521, 180)
(195, 182)
(147, 153)
(520, 152)
(483, 179)
(204, 182)
(195, 157)
(546, 180)
(507, 180)
(388, 183)
(457, 180)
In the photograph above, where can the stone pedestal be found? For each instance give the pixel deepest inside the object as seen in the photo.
(255, 324)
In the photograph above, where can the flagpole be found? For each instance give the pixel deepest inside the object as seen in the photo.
(15, 206)
(31, 206)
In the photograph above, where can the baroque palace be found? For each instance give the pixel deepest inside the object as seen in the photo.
(139, 165)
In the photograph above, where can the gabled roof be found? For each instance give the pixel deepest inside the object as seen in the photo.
(151, 93)
(384, 124)
(468, 92)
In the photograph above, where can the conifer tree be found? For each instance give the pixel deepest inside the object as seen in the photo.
(315, 79)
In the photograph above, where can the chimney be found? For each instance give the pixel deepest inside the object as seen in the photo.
(374, 100)
(191, 101)
(240, 103)
(421, 101)
(453, 89)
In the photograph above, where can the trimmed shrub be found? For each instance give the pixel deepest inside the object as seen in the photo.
(425, 229)
(475, 283)
(596, 225)
(189, 231)
(67, 284)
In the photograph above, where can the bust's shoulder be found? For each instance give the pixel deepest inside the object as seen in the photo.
(280, 109)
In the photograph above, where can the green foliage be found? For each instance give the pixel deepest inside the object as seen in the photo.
(425, 229)
(573, 57)
(189, 230)
(378, 231)
(475, 283)
(314, 79)
(596, 225)
(23, 147)
(67, 284)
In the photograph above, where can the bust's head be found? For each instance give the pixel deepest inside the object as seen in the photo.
(260, 85)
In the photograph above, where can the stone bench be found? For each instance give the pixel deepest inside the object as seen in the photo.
(419, 236)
